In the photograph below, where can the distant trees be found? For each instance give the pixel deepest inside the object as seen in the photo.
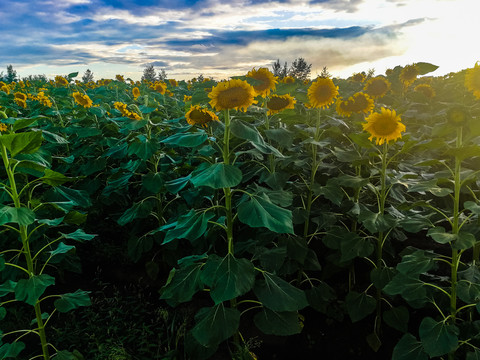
(87, 76)
(279, 70)
(32, 78)
(149, 74)
(10, 76)
(299, 69)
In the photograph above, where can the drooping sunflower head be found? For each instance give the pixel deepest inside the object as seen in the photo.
(377, 87)
(21, 103)
(266, 80)
(173, 82)
(232, 94)
(61, 81)
(5, 89)
(135, 92)
(120, 78)
(343, 107)
(472, 80)
(160, 86)
(21, 96)
(322, 92)
(82, 99)
(409, 74)
(200, 116)
(358, 77)
(361, 102)
(278, 103)
(288, 80)
(384, 126)
(425, 89)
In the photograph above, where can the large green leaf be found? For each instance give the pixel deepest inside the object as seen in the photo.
(71, 301)
(11, 350)
(54, 178)
(7, 287)
(182, 284)
(375, 222)
(409, 348)
(142, 147)
(259, 211)
(153, 182)
(228, 277)
(359, 305)
(22, 143)
(244, 131)
(217, 176)
(416, 263)
(79, 235)
(437, 337)
(278, 323)
(29, 290)
(22, 216)
(353, 245)
(174, 186)
(411, 288)
(186, 139)
(475, 355)
(431, 187)
(425, 68)
(439, 234)
(215, 324)
(397, 318)
(139, 210)
(77, 197)
(279, 295)
(190, 226)
(468, 292)
(61, 249)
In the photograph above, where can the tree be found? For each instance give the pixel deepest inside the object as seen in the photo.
(300, 69)
(87, 76)
(325, 74)
(11, 75)
(278, 70)
(149, 73)
(162, 75)
(32, 78)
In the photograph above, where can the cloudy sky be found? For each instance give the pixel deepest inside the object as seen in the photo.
(226, 38)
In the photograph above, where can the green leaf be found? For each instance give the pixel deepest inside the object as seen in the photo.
(465, 240)
(375, 222)
(79, 235)
(25, 122)
(425, 68)
(77, 197)
(244, 131)
(215, 324)
(186, 139)
(217, 176)
(71, 301)
(3, 313)
(409, 348)
(61, 249)
(278, 323)
(22, 143)
(320, 296)
(143, 148)
(54, 178)
(472, 206)
(228, 277)
(139, 210)
(475, 355)
(75, 218)
(397, 318)
(195, 350)
(355, 182)
(359, 305)
(153, 182)
(380, 277)
(431, 187)
(437, 337)
(279, 295)
(415, 223)
(174, 186)
(22, 216)
(259, 211)
(29, 290)
(190, 226)
(282, 136)
(353, 245)
(2, 263)
(7, 287)
(136, 247)
(468, 292)
(11, 350)
(416, 263)
(439, 235)
(183, 284)
(411, 288)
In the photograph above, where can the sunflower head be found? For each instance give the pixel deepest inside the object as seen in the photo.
(384, 126)
(173, 82)
(82, 99)
(343, 107)
(160, 86)
(361, 102)
(377, 87)
(3, 127)
(358, 77)
(426, 90)
(120, 78)
(21, 103)
(278, 103)
(322, 92)
(200, 116)
(187, 98)
(457, 115)
(21, 96)
(472, 80)
(5, 89)
(288, 80)
(61, 81)
(266, 80)
(233, 94)
(135, 92)
(409, 74)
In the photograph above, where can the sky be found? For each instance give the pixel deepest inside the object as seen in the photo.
(220, 39)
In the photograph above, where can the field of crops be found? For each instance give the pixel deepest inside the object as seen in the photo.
(241, 214)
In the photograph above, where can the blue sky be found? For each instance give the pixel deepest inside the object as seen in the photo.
(226, 38)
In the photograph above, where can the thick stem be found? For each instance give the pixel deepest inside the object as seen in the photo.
(26, 251)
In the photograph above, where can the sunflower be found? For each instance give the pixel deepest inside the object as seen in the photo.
(232, 94)
(322, 92)
(377, 87)
(278, 103)
(21, 96)
(343, 107)
(187, 98)
(266, 80)
(358, 77)
(384, 126)
(472, 80)
(409, 74)
(457, 115)
(5, 89)
(200, 116)
(159, 86)
(125, 112)
(173, 82)
(425, 89)
(119, 78)
(43, 99)
(61, 81)
(361, 102)
(82, 99)
(136, 92)
(21, 103)
(288, 80)
(3, 127)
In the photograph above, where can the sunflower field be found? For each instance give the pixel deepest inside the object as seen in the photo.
(254, 218)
